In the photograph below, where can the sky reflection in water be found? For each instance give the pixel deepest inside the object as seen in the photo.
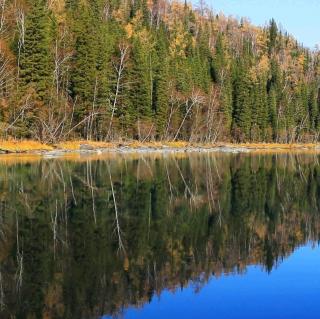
(291, 290)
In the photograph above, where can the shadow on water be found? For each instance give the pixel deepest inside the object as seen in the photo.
(82, 239)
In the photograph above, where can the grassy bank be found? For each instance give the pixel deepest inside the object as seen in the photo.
(28, 146)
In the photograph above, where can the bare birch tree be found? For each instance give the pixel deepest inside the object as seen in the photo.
(195, 100)
(2, 16)
(119, 68)
(20, 21)
(117, 223)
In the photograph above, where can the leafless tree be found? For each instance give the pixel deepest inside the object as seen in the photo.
(195, 100)
(106, 10)
(6, 78)
(119, 69)
(82, 122)
(212, 129)
(117, 223)
(19, 114)
(20, 20)
(187, 188)
(59, 62)
(169, 181)
(2, 16)
(54, 223)
(92, 188)
(201, 7)
(19, 272)
(93, 111)
(175, 103)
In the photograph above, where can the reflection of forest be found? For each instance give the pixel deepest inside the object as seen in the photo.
(80, 239)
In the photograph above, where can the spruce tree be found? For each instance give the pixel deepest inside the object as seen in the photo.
(242, 109)
(36, 62)
(273, 34)
(313, 108)
(242, 103)
(161, 84)
(262, 100)
(84, 63)
(272, 102)
(221, 75)
(140, 83)
(227, 101)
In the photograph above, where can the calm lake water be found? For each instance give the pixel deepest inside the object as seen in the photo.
(160, 236)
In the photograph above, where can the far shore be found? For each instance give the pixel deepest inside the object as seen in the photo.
(37, 148)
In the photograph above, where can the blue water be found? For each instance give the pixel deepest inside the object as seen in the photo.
(291, 290)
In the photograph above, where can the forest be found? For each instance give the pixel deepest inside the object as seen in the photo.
(111, 70)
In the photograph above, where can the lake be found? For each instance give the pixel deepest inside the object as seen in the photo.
(160, 236)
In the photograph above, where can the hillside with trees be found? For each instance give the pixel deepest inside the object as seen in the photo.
(151, 70)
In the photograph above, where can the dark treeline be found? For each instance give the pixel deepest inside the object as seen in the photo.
(82, 239)
(151, 69)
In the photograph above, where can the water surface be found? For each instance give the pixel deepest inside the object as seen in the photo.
(160, 236)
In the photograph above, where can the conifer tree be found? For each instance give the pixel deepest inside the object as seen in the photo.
(161, 81)
(272, 102)
(313, 108)
(242, 103)
(273, 34)
(262, 100)
(36, 63)
(242, 109)
(139, 98)
(221, 75)
(84, 67)
(227, 101)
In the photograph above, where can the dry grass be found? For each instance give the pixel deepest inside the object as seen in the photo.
(14, 146)
(278, 146)
(28, 146)
(12, 159)
(75, 145)
(163, 144)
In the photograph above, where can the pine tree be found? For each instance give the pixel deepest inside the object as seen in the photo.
(36, 63)
(242, 108)
(242, 103)
(273, 34)
(313, 108)
(262, 99)
(221, 75)
(139, 95)
(272, 102)
(227, 101)
(84, 67)
(200, 61)
(219, 62)
(160, 87)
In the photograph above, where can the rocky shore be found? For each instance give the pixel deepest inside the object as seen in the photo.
(170, 147)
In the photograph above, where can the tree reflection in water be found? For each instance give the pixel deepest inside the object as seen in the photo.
(87, 237)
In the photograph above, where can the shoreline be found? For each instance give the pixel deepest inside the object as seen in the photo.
(91, 147)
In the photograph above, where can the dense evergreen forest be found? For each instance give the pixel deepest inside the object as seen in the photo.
(151, 69)
(83, 239)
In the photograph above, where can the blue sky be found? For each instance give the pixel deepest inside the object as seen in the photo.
(301, 18)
